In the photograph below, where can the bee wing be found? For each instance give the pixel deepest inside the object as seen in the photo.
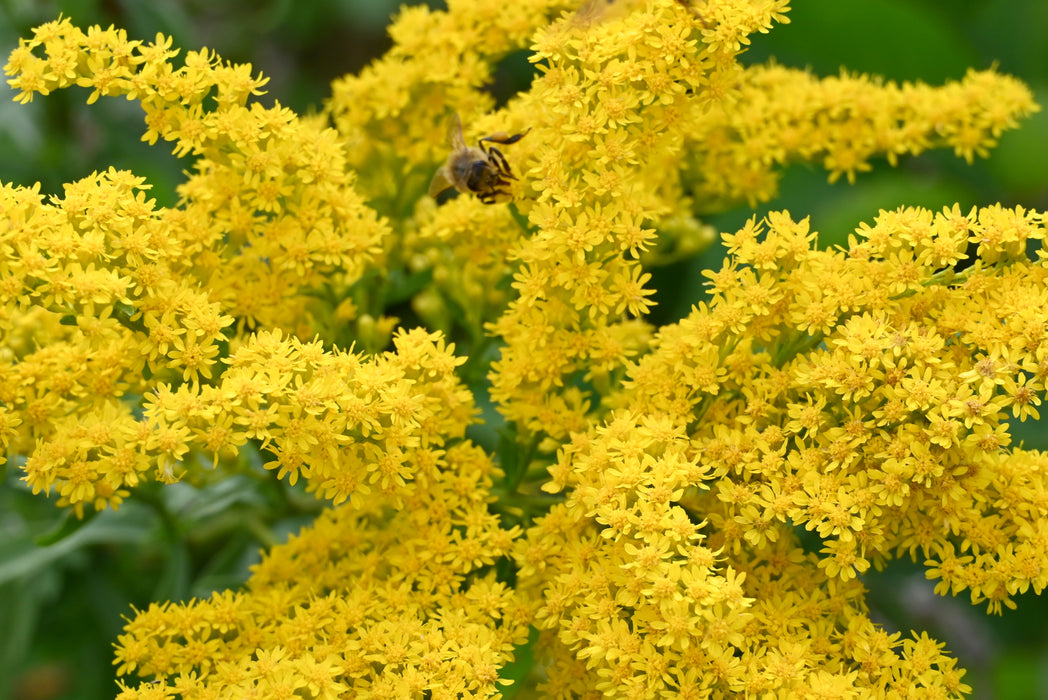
(439, 184)
(455, 139)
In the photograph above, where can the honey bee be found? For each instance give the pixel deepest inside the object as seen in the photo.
(481, 170)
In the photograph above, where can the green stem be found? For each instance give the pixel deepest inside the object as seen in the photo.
(477, 364)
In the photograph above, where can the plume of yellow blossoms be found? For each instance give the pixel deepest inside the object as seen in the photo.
(646, 515)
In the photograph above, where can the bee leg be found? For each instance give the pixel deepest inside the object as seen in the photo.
(491, 195)
(504, 139)
(496, 158)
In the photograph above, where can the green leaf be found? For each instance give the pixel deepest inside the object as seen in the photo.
(214, 499)
(68, 525)
(22, 556)
(20, 612)
(405, 286)
(175, 578)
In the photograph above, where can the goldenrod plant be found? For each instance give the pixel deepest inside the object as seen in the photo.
(684, 510)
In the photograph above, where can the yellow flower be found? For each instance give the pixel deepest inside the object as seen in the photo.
(639, 504)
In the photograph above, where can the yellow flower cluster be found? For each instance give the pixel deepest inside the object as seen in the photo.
(347, 424)
(781, 115)
(863, 394)
(366, 603)
(106, 297)
(267, 219)
(395, 118)
(651, 484)
(393, 114)
(645, 118)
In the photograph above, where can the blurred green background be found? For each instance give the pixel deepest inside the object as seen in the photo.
(60, 605)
